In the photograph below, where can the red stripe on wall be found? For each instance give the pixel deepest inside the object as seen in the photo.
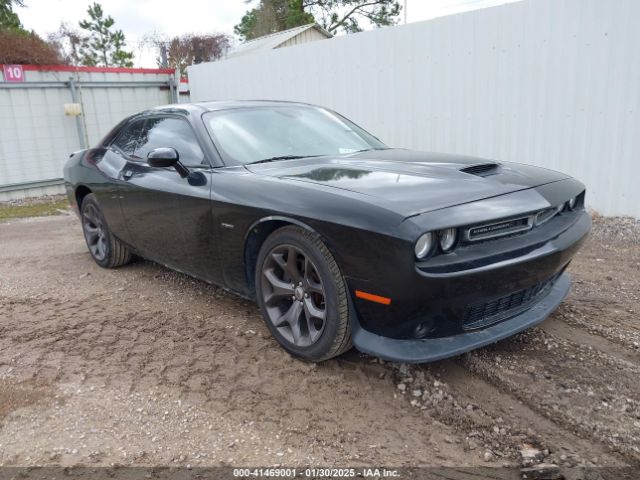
(71, 68)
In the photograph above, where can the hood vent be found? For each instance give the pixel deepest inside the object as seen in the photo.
(481, 169)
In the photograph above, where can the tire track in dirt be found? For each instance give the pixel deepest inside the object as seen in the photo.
(585, 391)
(527, 391)
(493, 422)
(621, 328)
(504, 408)
(580, 336)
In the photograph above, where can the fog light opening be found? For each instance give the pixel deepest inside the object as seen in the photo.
(422, 329)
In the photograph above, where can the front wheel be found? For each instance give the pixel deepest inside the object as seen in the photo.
(106, 250)
(302, 295)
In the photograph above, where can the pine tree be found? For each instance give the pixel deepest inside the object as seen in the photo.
(102, 45)
(8, 18)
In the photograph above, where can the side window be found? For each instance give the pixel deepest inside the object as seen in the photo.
(171, 132)
(127, 139)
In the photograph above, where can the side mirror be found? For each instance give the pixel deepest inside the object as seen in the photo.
(163, 157)
(167, 157)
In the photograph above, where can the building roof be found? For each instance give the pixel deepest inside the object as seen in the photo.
(274, 40)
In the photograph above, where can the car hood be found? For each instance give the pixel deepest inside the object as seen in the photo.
(412, 182)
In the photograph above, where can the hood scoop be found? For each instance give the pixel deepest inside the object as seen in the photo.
(482, 169)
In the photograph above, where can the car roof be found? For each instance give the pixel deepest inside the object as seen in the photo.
(216, 105)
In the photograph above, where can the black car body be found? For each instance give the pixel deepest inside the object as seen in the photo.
(517, 228)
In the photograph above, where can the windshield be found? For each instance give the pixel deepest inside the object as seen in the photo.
(247, 135)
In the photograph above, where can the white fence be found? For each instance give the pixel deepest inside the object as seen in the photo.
(554, 83)
(36, 137)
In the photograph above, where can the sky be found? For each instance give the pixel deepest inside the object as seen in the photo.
(137, 18)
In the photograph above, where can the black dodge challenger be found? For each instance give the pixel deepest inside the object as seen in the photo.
(406, 255)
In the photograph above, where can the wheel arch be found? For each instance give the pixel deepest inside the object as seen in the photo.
(255, 236)
(81, 192)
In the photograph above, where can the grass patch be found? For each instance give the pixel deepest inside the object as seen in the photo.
(36, 210)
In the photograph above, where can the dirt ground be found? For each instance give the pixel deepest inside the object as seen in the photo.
(144, 366)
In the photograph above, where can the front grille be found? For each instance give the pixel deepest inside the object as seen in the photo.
(498, 229)
(485, 314)
(504, 227)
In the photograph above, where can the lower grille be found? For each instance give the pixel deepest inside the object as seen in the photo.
(485, 314)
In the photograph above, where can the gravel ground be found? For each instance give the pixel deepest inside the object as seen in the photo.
(144, 366)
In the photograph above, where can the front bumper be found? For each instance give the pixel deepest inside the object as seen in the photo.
(485, 293)
(432, 349)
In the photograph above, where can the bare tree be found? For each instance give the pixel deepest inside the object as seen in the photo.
(67, 41)
(189, 49)
(335, 15)
(269, 16)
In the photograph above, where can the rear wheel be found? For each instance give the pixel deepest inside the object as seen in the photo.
(302, 295)
(106, 250)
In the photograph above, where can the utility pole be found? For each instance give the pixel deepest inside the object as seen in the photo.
(405, 12)
(163, 55)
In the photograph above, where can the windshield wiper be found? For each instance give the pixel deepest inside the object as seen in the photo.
(371, 149)
(281, 157)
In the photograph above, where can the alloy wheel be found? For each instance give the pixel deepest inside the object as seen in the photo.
(94, 232)
(293, 295)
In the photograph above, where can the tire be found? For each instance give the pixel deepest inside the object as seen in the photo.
(307, 312)
(105, 249)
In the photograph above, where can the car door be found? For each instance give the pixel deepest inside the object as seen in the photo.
(168, 216)
(114, 159)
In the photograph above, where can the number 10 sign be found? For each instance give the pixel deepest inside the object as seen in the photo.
(13, 73)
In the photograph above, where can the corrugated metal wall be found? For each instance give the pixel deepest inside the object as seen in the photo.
(36, 137)
(554, 83)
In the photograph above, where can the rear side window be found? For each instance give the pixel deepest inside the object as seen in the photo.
(127, 140)
(171, 132)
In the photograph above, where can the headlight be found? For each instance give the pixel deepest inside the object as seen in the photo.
(572, 203)
(448, 239)
(423, 245)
